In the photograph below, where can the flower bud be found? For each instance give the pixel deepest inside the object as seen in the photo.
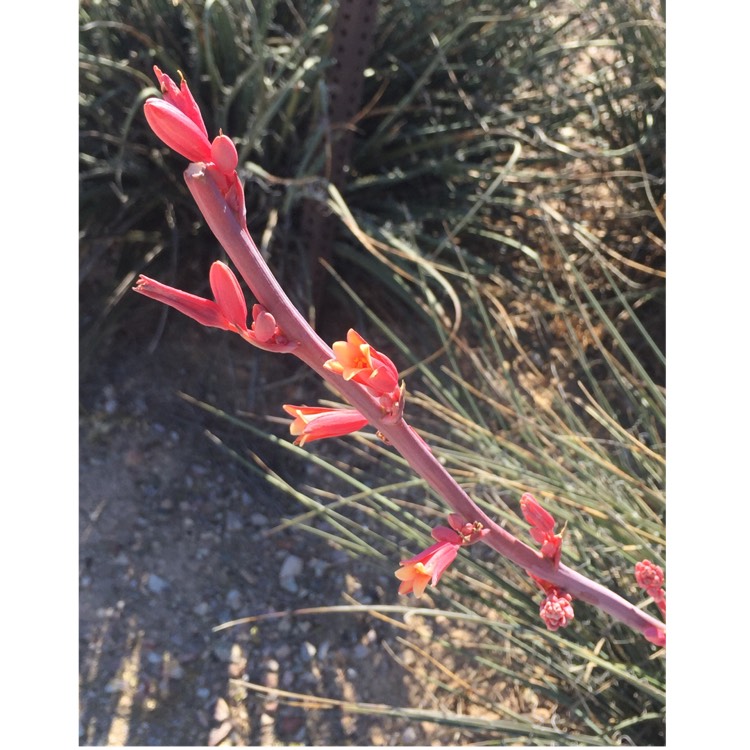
(224, 154)
(228, 294)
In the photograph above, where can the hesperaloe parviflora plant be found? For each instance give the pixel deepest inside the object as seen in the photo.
(366, 378)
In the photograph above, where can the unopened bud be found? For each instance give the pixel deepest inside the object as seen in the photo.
(224, 154)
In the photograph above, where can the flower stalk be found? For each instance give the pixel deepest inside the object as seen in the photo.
(366, 379)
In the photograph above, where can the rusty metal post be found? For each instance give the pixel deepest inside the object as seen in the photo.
(353, 36)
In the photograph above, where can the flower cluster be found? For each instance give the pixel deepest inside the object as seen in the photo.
(355, 360)
(556, 609)
(429, 565)
(650, 577)
(177, 120)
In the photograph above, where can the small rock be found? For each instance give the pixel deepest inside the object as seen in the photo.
(234, 599)
(370, 637)
(289, 584)
(234, 522)
(290, 569)
(201, 609)
(323, 650)
(203, 693)
(258, 519)
(409, 736)
(156, 584)
(360, 651)
(272, 665)
(308, 651)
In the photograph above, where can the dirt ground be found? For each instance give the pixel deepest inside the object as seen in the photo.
(171, 547)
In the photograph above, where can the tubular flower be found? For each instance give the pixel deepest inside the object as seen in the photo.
(317, 422)
(177, 120)
(542, 528)
(228, 312)
(228, 294)
(426, 567)
(356, 360)
(556, 609)
(429, 565)
(180, 98)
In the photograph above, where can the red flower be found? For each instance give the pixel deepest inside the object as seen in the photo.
(426, 567)
(181, 98)
(177, 120)
(356, 360)
(228, 312)
(317, 422)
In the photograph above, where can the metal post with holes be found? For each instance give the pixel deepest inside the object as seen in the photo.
(353, 36)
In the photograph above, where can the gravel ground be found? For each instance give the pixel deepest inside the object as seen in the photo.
(171, 547)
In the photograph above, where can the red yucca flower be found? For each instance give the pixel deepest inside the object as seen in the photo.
(228, 312)
(317, 422)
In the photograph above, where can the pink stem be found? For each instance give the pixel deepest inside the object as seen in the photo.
(314, 352)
